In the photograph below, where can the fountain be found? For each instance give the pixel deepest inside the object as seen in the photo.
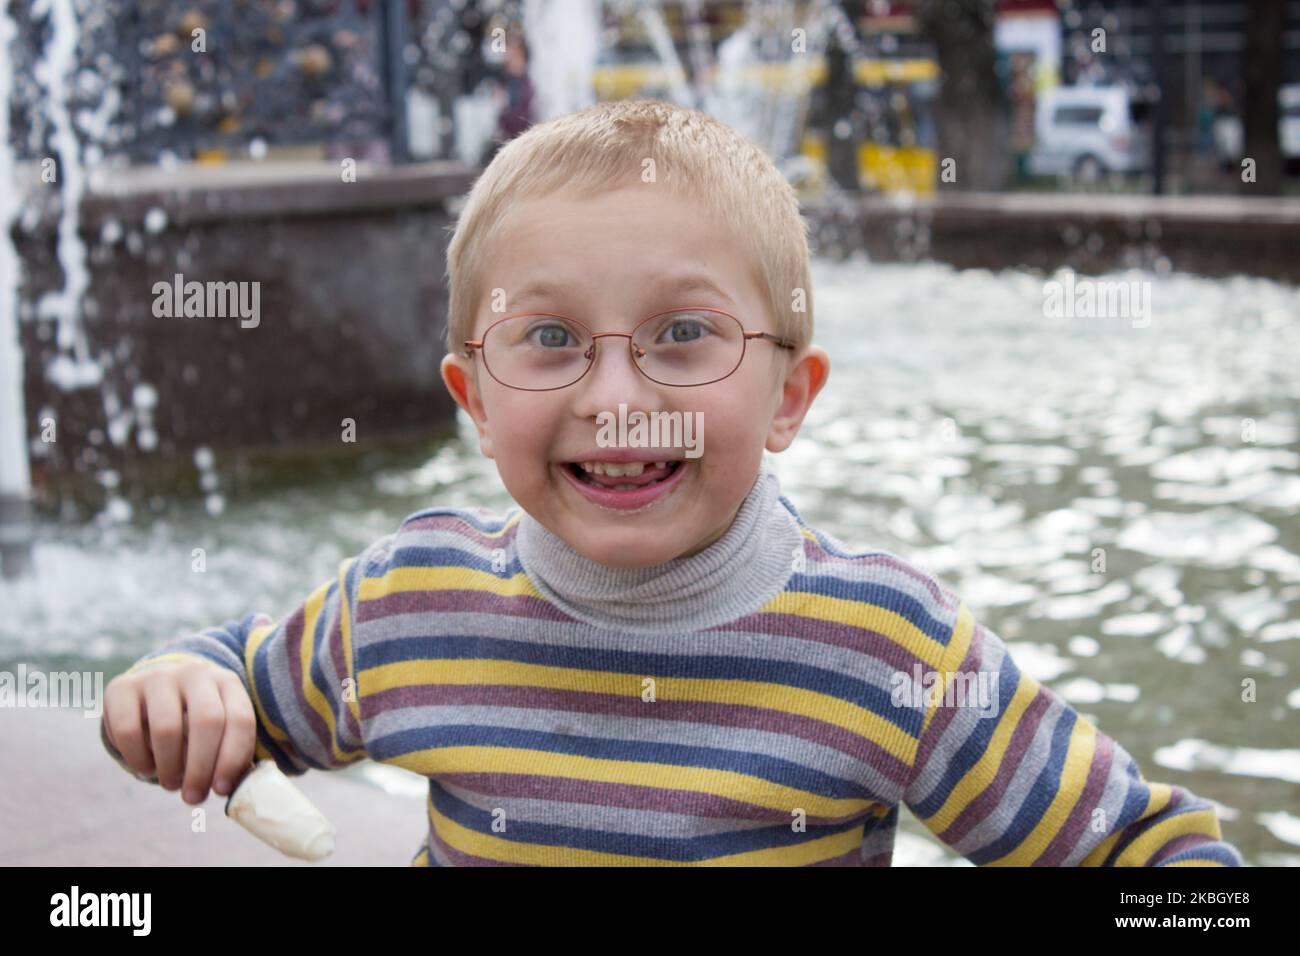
(563, 39)
(116, 206)
(15, 473)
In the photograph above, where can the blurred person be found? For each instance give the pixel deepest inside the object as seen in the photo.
(514, 97)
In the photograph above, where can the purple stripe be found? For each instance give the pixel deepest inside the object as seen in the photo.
(1177, 845)
(814, 549)
(464, 529)
(862, 640)
(943, 716)
(352, 730)
(1177, 797)
(674, 800)
(991, 796)
(461, 858)
(294, 634)
(444, 600)
(1080, 816)
(844, 859)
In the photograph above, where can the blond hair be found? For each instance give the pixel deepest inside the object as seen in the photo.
(604, 147)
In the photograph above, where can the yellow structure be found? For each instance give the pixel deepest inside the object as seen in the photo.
(903, 164)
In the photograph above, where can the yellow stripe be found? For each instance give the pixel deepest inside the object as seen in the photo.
(496, 848)
(663, 776)
(1074, 776)
(982, 774)
(896, 627)
(779, 697)
(346, 627)
(1148, 844)
(255, 638)
(306, 649)
(1158, 796)
(441, 577)
(963, 630)
(445, 577)
(311, 611)
(1102, 850)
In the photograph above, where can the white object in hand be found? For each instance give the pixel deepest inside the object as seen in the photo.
(269, 806)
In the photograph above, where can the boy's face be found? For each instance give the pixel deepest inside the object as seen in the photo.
(611, 260)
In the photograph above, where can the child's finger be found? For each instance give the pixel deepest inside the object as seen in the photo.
(162, 699)
(241, 732)
(126, 729)
(205, 717)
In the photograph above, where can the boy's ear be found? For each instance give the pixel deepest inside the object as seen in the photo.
(807, 374)
(462, 383)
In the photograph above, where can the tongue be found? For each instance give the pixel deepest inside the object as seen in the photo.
(646, 477)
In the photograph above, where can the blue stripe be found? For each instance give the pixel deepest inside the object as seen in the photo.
(446, 556)
(973, 747)
(638, 664)
(1135, 804)
(876, 595)
(1037, 800)
(677, 849)
(262, 679)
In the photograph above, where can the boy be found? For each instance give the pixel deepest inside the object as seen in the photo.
(652, 659)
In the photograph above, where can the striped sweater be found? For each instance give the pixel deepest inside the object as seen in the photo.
(771, 700)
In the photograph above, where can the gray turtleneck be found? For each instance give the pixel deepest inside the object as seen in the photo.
(734, 576)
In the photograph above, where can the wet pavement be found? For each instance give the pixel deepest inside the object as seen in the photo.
(65, 802)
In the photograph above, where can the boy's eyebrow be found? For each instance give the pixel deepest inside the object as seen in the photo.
(674, 283)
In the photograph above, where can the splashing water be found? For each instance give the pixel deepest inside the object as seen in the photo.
(563, 39)
(15, 476)
(73, 367)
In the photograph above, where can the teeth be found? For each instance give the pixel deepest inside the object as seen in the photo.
(631, 469)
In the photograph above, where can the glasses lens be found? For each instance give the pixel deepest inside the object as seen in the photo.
(690, 346)
(536, 351)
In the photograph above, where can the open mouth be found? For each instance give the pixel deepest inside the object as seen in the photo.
(631, 476)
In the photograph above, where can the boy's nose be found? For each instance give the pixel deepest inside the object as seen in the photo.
(614, 379)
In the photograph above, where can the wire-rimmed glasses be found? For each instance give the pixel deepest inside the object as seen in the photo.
(543, 351)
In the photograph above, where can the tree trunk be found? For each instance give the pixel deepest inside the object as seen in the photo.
(970, 111)
(1263, 76)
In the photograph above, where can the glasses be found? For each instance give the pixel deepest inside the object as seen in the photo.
(540, 352)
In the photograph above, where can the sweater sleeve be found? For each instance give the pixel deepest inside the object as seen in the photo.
(1017, 777)
(300, 672)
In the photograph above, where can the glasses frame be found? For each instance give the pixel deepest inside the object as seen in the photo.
(593, 352)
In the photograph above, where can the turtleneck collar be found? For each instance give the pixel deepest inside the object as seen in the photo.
(736, 575)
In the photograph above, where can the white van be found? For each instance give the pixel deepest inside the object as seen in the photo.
(1089, 131)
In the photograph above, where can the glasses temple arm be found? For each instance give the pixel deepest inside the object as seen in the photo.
(775, 339)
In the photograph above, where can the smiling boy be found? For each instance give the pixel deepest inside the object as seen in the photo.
(651, 659)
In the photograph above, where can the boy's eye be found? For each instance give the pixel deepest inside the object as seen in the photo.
(550, 336)
(681, 330)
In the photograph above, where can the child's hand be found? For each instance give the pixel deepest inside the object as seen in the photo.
(189, 722)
